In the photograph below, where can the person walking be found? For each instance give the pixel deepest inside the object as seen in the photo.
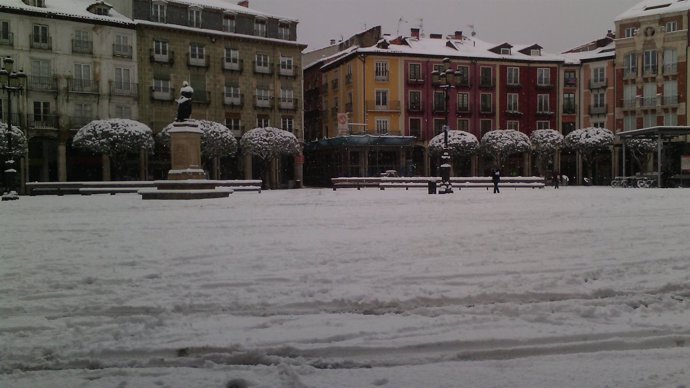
(496, 177)
(556, 179)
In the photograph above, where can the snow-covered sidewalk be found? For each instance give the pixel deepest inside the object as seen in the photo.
(576, 287)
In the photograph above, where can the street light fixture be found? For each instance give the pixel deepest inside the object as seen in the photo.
(445, 81)
(12, 82)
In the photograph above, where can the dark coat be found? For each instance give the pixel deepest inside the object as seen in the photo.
(496, 176)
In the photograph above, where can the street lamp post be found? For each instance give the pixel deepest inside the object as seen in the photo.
(12, 82)
(444, 79)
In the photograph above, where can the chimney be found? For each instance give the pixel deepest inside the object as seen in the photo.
(244, 3)
(458, 35)
(610, 34)
(332, 42)
(414, 32)
(436, 36)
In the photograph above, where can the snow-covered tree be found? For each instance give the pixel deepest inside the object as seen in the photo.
(545, 142)
(500, 144)
(267, 144)
(460, 144)
(19, 145)
(114, 138)
(589, 142)
(639, 149)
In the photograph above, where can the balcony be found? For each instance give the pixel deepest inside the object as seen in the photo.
(42, 83)
(392, 106)
(82, 86)
(287, 70)
(232, 65)
(262, 68)
(81, 46)
(43, 43)
(161, 94)
(649, 71)
(43, 121)
(648, 102)
(598, 84)
(382, 76)
(669, 101)
(167, 58)
(486, 109)
(671, 69)
(463, 108)
(570, 82)
(128, 89)
(513, 85)
(287, 104)
(196, 61)
(415, 107)
(78, 121)
(233, 100)
(122, 50)
(7, 40)
(514, 113)
(629, 103)
(486, 82)
(462, 82)
(569, 109)
(545, 84)
(598, 110)
(544, 112)
(263, 102)
(415, 79)
(629, 73)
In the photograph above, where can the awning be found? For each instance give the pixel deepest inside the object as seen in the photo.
(360, 141)
(655, 132)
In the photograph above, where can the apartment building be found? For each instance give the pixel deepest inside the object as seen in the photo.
(80, 66)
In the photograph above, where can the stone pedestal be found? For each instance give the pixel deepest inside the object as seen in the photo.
(185, 151)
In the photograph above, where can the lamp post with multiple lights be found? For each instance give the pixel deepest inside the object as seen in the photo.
(11, 82)
(445, 80)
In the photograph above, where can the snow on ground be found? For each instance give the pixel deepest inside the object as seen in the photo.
(577, 287)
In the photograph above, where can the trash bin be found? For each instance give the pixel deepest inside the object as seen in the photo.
(432, 187)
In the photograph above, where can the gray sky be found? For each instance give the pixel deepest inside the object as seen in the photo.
(557, 25)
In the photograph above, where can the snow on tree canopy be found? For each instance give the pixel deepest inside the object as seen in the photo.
(268, 143)
(501, 143)
(460, 143)
(114, 136)
(216, 140)
(588, 140)
(19, 145)
(546, 141)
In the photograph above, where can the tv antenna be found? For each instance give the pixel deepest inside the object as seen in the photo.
(401, 20)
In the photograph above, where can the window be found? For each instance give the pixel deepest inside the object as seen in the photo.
(286, 66)
(486, 76)
(438, 126)
(41, 75)
(287, 123)
(123, 111)
(38, 3)
(629, 95)
(513, 75)
(194, 17)
(160, 51)
(415, 127)
(82, 76)
(263, 63)
(649, 62)
(232, 58)
(263, 121)
(543, 76)
(486, 105)
(535, 52)
(512, 103)
(485, 125)
(5, 31)
(569, 103)
(670, 92)
(630, 65)
(570, 78)
(40, 35)
(629, 122)
(439, 102)
(543, 103)
(41, 113)
(464, 125)
(284, 31)
(543, 124)
(629, 32)
(263, 98)
(463, 102)
(599, 100)
(122, 80)
(599, 75)
(671, 26)
(415, 72)
(196, 51)
(158, 11)
(121, 46)
(233, 123)
(670, 118)
(229, 22)
(649, 94)
(232, 92)
(381, 126)
(415, 101)
(381, 99)
(287, 100)
(260, 27)
(463, 76)
(670, 61)
(513, 124)
(649, 120)
(381, 71)
(505, 51)
(161, 85)
(83, 113)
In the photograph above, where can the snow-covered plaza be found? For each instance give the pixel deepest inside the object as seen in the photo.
(576, 287)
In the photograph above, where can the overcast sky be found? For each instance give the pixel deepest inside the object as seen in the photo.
(557, 25)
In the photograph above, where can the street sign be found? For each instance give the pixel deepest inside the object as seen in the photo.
(343, 128)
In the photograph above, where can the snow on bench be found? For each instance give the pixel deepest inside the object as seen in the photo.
(407, 182)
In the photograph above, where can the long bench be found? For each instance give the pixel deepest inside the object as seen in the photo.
(407, 182)
(513, 182)
(117, 187)
(358, 183)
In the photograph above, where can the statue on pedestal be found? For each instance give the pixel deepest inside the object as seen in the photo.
(184, 103)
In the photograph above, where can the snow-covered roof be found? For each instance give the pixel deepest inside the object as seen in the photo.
(605, 52)
(230, 5)
(654, 7)
(467, 47)
(71, 8)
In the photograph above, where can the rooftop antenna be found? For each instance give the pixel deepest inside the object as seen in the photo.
(471, 26)
(421, 27)
(401, 20)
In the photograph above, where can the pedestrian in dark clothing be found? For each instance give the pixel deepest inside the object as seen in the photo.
(556, 179)
(496, 177)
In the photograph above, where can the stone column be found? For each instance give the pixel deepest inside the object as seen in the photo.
(105, 168)
(185, 151)
(248, 166)
(474, 165)
(62, 161)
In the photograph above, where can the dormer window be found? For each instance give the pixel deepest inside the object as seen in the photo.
(671, 26)
(36, 3)
(284, 31)
(505, 51)
(260, 27)
(99, 8)
(629, 32)
(229, 22)
(158, 11)
(535, 52)
(194, 17)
